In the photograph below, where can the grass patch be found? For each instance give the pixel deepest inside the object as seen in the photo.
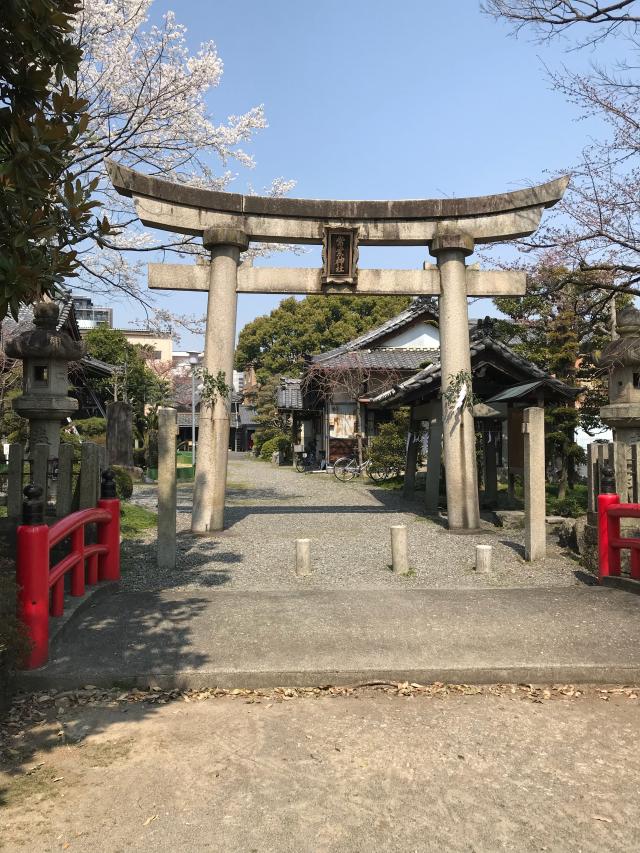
(392, 485)
(572, 505)
(135, 520)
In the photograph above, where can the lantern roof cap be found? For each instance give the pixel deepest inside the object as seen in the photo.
(45, 340)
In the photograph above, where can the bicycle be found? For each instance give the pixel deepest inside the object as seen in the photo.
(306, 462)
(348, 467)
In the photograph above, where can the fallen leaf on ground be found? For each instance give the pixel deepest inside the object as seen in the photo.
(150, 820)
(603, 819)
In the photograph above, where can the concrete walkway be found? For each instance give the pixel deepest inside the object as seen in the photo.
(233, 613)
(209, 638)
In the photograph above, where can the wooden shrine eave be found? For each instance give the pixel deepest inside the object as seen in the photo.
(191, 210)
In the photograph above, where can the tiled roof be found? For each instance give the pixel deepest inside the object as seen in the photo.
(95, 365)
(425, 307)
(289, 394)
(25, 317)
(430, 377)
(380, 359)
(247, 415)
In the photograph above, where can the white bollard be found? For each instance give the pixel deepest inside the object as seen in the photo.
(483, 558)
(399, 552)
(303, 557)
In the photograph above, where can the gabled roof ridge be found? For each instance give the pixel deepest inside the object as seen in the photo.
(420, 305)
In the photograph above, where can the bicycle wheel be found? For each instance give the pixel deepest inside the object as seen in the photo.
(344, 469)
(301, 465)
(377, 473)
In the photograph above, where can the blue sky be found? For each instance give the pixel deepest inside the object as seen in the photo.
(420, 98)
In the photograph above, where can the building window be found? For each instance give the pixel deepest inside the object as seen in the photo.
(157, 354)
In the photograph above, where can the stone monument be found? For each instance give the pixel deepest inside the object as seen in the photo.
(120, 434)
(45, 352)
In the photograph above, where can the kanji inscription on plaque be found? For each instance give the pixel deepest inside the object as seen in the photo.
(340, 256)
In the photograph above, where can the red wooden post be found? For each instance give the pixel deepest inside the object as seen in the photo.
(32, 577)
(634, 571)
(57, 598)
(92, 569)
(109, 532)
(608, 557)
(77, 573)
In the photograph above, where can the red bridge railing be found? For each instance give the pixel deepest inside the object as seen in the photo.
(610, 542)
(41, 586)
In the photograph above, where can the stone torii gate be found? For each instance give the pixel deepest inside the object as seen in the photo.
(228, 222)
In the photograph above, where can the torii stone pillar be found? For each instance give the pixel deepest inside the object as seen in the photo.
(463, 510)
(214, 425)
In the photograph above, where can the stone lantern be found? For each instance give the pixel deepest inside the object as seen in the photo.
(45, 352)
(622, 357)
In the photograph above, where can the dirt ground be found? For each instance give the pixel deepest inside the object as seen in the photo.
(373, 770)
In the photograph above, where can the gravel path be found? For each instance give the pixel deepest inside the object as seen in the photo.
(348, 523)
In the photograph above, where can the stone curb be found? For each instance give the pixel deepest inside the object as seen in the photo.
(578, 674)
(625, 584)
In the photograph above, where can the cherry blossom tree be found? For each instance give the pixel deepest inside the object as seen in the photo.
(596, 228)
(146, 94)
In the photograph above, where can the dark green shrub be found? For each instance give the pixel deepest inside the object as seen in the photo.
(280, 442)
(139, 457)
(388, 449)
(124, 483)
(91, 427)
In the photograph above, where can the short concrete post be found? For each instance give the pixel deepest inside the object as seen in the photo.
(535, 534)
(483, 558)
(303, 557)
(399, 550)
(167, 424)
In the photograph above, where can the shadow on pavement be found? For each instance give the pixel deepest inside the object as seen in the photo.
(515, 546)
(200, 561)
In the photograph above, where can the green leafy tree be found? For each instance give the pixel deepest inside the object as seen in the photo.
(273, 426)
(562, 329)
(137, 384)
(276, 344)
(44, 213)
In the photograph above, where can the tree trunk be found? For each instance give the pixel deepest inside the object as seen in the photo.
(562, 481)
